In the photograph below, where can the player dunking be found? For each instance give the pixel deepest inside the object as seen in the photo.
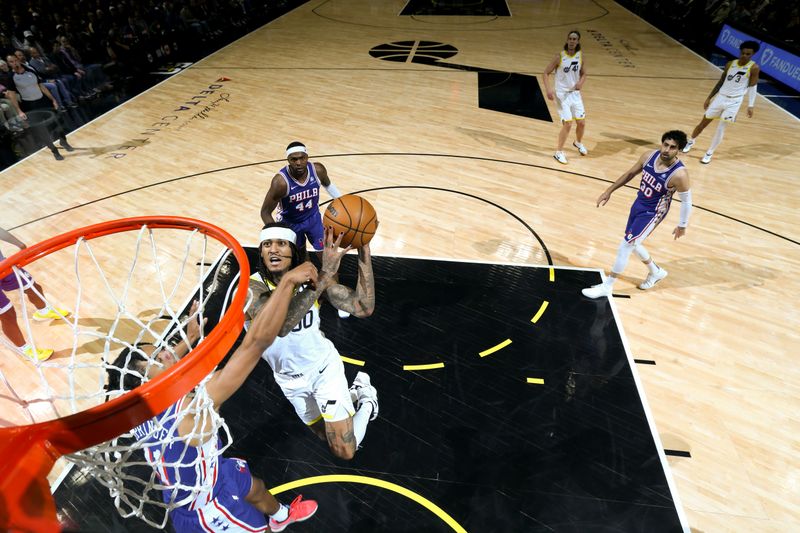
(306, 365)
(570, 75)
(739, 77)
(181, 447)
(662, 175)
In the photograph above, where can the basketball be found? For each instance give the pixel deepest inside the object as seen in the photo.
(353, 216)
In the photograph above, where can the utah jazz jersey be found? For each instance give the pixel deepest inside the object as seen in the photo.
(302, 347)
(179, 466)
(568, 71)
(301, 200)
(654, 192)
(737, 79)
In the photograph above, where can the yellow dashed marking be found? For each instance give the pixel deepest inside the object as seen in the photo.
(430, 366)
(552, 274)
(495, 348)
(540, 312)
(352, 361)
(536, 381)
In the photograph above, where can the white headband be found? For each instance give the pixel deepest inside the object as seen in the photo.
(295, 149)
(276, 232)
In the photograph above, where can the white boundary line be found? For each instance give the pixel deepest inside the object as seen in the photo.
(701, 57)
(650, 419)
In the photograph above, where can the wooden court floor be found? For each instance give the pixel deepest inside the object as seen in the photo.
(452, 180)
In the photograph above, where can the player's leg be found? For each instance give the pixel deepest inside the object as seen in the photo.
(565, 114)
(728, 116)
(345, 426)
(298, 391)
(10, 327)
(580, 122)
(44, 311)
(655, 274)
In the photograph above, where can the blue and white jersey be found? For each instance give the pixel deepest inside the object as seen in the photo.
(302, 199)
(654, 190)
(189, 472)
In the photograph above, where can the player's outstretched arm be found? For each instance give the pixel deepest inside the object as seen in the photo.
(277, 190)
(262, 332)
(622, 180)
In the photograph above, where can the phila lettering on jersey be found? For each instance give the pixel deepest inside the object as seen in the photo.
(176, 463)
(302, 199)
(737, 79)
(302, 347)
(654, 192)
(568, 72)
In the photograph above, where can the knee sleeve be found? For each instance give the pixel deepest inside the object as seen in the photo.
(623, 254)
(641, 252)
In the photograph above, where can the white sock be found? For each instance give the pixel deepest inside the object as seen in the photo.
(361, 420)
(281, 514)
(644, 255)
(609, 282)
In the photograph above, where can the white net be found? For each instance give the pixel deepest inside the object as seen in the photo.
(118, 315)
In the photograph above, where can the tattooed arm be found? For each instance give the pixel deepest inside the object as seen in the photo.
(302, 301)
(361, 301)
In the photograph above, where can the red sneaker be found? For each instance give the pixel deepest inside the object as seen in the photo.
(299, 510)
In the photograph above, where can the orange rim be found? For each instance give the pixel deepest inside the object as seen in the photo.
(29, 452)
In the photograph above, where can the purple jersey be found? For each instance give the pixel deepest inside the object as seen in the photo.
(654, 192)
(179, 465)
(302, 200)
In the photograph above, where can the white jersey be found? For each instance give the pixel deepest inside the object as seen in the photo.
(737, 79)
(568, 72)
(302, 347)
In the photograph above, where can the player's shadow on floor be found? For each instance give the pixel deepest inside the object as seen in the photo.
(620, 144)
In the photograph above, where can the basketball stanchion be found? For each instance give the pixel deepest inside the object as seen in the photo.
(29, 452)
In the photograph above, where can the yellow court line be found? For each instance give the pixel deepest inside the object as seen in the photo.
(552, 274)
(536, 381)
(430, 366)
(495, 348)
(364, 480)
(540, 312)
(352, 361)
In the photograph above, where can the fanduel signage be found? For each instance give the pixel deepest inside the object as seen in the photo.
(775, 62)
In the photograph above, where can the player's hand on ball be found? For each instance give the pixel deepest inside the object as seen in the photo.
(332, 253)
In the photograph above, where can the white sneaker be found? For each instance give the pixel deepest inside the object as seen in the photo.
(706, 159)
(560, 157)
(581, 148)
(342, 314)
(688, 146)
(365, 393)
(652, 279)
(597, 291)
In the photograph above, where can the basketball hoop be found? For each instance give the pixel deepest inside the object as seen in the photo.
(29, 452)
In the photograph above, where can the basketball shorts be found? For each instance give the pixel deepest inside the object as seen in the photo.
(311, 230)
(570, 106)
(724, 108)
(10, 283)
(320, 393)
(228, 512)
(642, 222)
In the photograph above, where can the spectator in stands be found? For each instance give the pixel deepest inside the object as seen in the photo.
(34, 95)
(56, 87)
